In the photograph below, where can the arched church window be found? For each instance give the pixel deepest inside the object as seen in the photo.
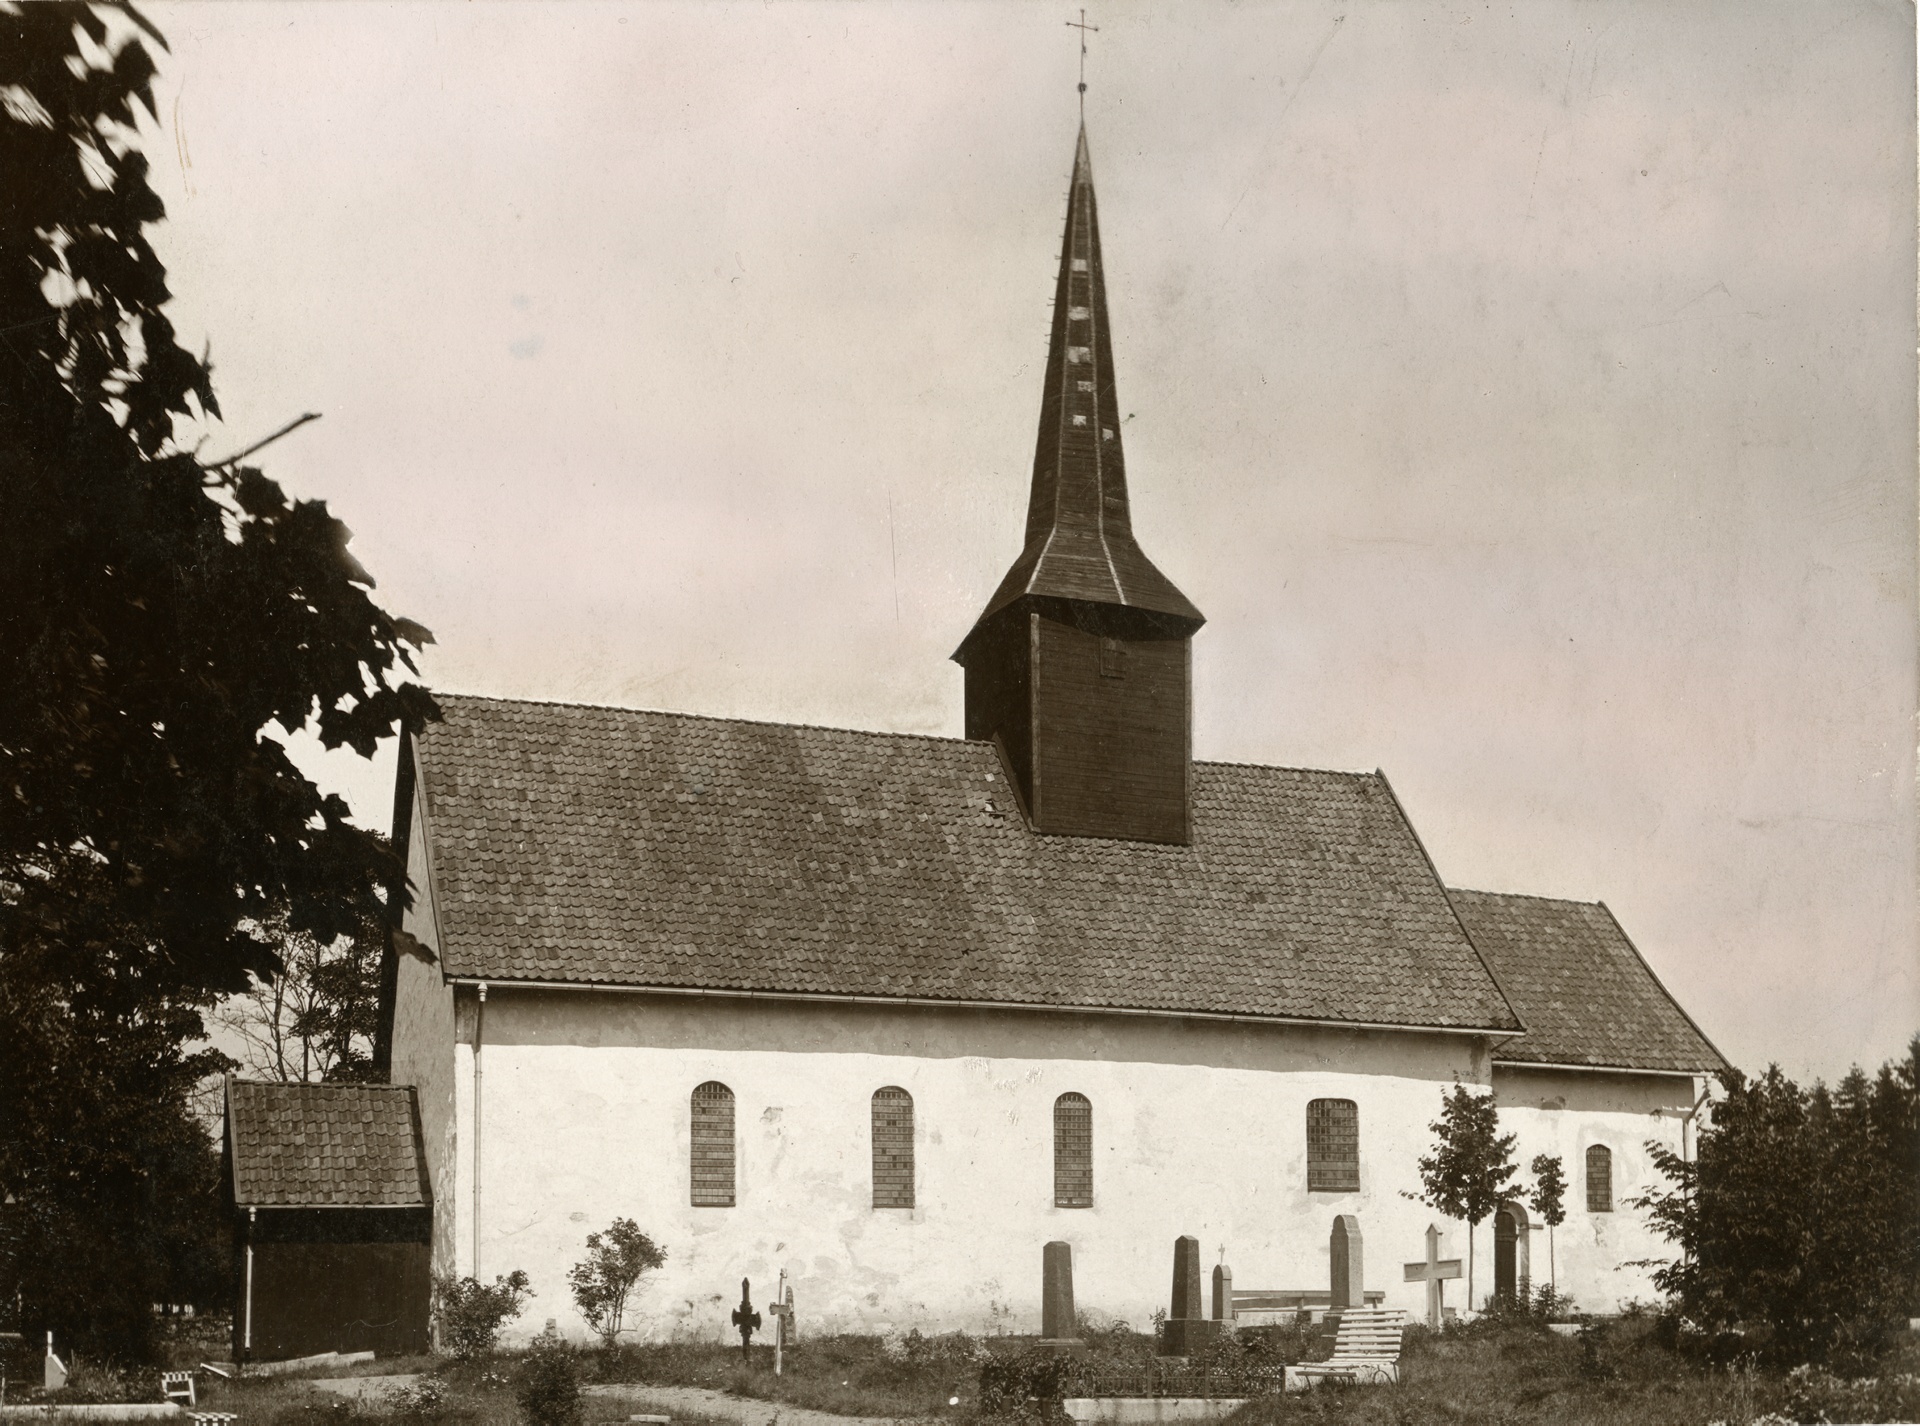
(1333, 1146)
(1072, 1151)
(1599, 1179)
(892, 1148)
(713, 1146)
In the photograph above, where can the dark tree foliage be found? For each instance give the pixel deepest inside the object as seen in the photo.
(1799, 1217)
(1466, 1176)
(156, 615)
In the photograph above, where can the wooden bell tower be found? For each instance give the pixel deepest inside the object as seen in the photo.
(1080, 667)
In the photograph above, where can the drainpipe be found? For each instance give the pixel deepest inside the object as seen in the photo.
(246, 1339)
(479, 1023)
(1689, 1137)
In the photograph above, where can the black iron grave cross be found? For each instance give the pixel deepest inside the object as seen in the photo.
(746, 1319)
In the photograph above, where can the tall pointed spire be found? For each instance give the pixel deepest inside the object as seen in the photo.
(1079, 668)
(1080, 542)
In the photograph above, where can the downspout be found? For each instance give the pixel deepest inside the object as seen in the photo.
(246, 1338)
(479, 1024)
(1689, 1131)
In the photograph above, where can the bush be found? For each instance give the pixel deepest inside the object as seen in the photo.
(1006, 1383)
(1795, 1217)
(550, 1382)
(1815, 1394)
(469, 1313)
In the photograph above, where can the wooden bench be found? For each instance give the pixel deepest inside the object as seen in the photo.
(1366, 1349)
(177, 1387)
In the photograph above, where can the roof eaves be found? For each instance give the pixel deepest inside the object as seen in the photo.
(423, 804)
(1601, 1069)
(495, 983)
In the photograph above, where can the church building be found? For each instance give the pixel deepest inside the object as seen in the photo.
(889, 1013)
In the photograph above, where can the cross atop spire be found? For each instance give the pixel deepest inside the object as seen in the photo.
(1082, 26)
(1080, 542)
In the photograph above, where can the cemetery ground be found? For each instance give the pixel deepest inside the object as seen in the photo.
(1626, 1371)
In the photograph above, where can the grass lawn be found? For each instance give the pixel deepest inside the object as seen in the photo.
(1615, 1374)
(849, 1376)
(1619, 1373)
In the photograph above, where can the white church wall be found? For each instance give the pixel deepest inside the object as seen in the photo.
(1199, 1127)
(1565, 1112)
(422, 1052)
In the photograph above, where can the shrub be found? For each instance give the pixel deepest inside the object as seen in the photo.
(550, 1382)
(1815, 1394)
(469, 1313)
(1006, 1383)
(604, 1280)
(426, 1399)
(1795, 1216)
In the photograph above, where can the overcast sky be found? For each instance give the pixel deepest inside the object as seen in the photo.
(1525, 393)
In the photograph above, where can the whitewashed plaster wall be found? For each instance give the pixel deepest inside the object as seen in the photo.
(422, 1048)
(1199, 1128)
(1564, 1112)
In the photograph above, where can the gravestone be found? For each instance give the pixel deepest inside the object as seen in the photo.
(55, 1374)
(1223, 1293)
(1343, 1257)
(1059, 1328)
(1187, 1328)
(1434, 1272)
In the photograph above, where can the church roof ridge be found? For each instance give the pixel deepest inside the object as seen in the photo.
(699, 717)
(1523, 896)
(1356, 773)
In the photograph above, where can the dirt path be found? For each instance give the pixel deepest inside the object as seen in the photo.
(742, 1410)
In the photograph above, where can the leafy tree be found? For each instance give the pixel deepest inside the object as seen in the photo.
(604, 1280)
(158, 614)
(1796, 1218)
(316, 1019)
(1466, 1174)
(1549, 1200)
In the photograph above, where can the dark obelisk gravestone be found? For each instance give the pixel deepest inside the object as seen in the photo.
(1187, 1325)
(1059, 1328)
(1343, 1255)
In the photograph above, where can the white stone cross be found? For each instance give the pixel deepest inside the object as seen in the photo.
(1434, 1272)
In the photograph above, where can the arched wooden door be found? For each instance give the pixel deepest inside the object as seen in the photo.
(1506, 1256)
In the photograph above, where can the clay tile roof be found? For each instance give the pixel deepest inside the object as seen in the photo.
(607, 846)
(1581, 987)
(324, 1145)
